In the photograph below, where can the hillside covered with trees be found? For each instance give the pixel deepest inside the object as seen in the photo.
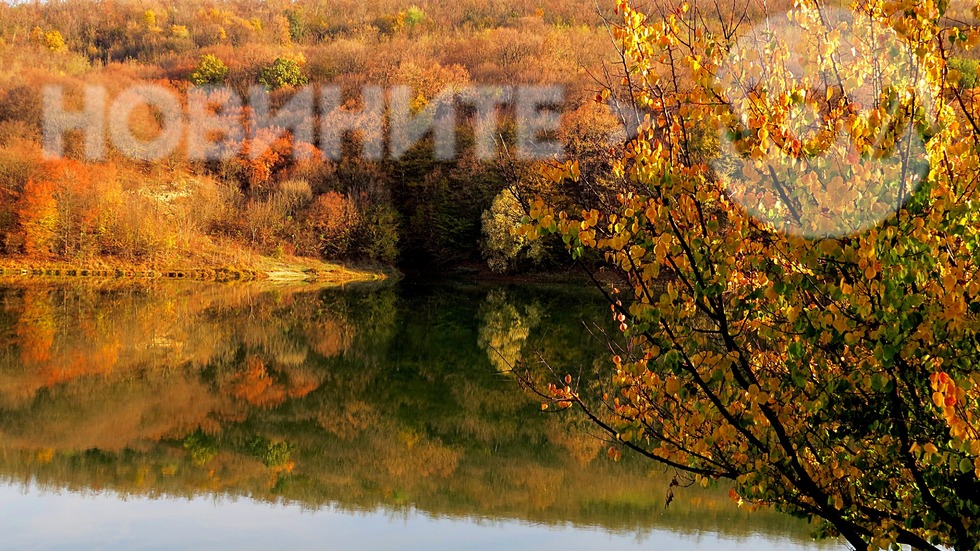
(414, 210)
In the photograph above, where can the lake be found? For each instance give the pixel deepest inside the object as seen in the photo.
(179, 415)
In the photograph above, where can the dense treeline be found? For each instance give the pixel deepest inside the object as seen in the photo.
(415, 209)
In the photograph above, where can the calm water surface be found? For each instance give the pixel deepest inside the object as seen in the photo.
(210, 417)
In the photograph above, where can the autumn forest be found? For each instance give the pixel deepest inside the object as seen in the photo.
(417, 210)
(535, 273)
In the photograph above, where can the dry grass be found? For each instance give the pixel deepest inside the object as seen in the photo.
(256, 267)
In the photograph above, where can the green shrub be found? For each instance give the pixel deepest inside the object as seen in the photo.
(282, 72)
(210, 70)
(414, 15)
(378, 235)
(967, 68)
(503, 247)
(296, 27)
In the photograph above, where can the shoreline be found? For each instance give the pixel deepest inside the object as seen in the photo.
(478, 273)
(264, 269)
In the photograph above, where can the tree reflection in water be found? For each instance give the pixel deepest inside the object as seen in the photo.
(363, 398)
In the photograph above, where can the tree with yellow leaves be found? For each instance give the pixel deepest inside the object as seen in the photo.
(797, 218)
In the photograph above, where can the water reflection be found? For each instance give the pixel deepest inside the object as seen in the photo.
(505, 330)
(387, 399)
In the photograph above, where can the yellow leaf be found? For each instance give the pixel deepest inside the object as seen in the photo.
(792, 314)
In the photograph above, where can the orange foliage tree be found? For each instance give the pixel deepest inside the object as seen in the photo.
(38, 213)
(802, 308)
(333, 219)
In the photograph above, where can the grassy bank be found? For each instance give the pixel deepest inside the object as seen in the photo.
(254, 268)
